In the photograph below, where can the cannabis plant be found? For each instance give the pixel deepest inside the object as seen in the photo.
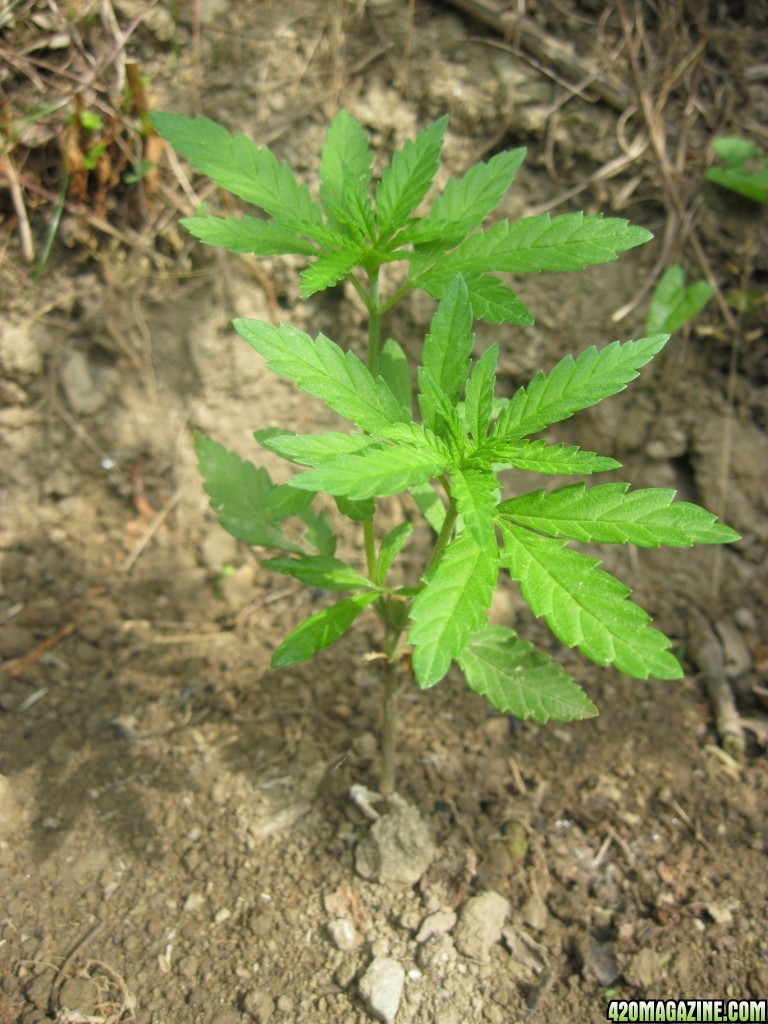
(444, 444)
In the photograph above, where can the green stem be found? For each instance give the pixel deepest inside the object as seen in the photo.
(389, 713)
(451, 515)
(374, 323)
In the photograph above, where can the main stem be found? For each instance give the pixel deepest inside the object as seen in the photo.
(374, 345)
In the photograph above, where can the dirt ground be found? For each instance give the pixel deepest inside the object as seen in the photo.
(185, 834)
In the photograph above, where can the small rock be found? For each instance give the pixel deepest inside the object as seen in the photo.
(345, 973)
(480, 924)
(437, 951)
(219, 549)
(15, 640)
(193, 902)
(226, 1015)
(344, 935)
(260, 1004)
(11, 813)
(438, 923)
(87, 389)
(398, 850)
(382, 987)
(237, 588)
(80, 994)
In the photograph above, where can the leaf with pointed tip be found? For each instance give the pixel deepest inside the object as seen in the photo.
(379, 469)
(493, 301)
(394, 368)
(358, 511)
(575, 384)
(345, 175)
(408, 178)
(541, 457)
(248, 234)
(612, 514)
(319, 532)
(519, 680)
(391, 546)
(584, 606)
(330, 268)
(429, 504)
(284, 501)
(466, 202)
(448, 345)
(321, 630)
(478, 399)
(476, 493)
(310, 449)
(440, 415)
(320, 571)
(532, 244)
(239, 493)
(451, 606)
(241, 167)
(324, 370)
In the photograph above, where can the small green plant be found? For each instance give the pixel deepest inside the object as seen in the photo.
(449, 457)
(673, 303)
(745, 168)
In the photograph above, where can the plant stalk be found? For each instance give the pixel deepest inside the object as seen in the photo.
(389, 714)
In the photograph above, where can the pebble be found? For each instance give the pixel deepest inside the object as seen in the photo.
(398, 849)
(480, 924)
(11, 814)
(436, 924)
(260, 1005)
(382, 987)
(344, 935)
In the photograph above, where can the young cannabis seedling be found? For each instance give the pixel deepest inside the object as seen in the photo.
(446, 446)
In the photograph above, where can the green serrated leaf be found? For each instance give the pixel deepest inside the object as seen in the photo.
(519, 680)
(448, 345)
(248, 234)
(357, 511)
(478, 402)
(391, 546)
(584, 606)
(575, 384)
(541, 457)
(395, 370)
(345, 175)
(406, 181)
(319, 532)
(238, 165)
(320, 630)
(330, 268)
(430, 505)
(320, 571)
(310, 449)
(532, 244)
(612, 514)
(493, 301)
(476, 493)
(239, 493)
(440, 415)
(467, 201)
(453, 604)
(673, 304)
(285, 500)
(378, 470)
(324, 370)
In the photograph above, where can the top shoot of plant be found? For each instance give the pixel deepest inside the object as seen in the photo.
(446, 445)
